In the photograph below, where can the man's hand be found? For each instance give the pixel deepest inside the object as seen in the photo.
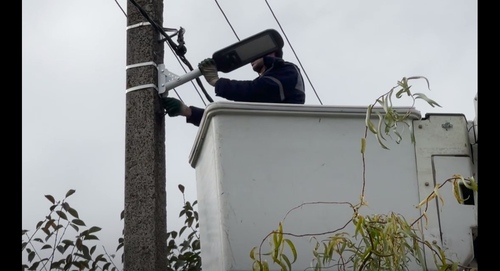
(175, 107)
(209, 71)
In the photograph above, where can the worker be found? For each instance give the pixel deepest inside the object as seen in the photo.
(278, 81)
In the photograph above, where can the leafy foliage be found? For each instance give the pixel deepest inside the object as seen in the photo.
(184, 254)
(47, 249)
(51, 252)
(389, 120)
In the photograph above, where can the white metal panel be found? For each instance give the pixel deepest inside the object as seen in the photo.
(210, 205)
(270, 159)
(438, 134)
(457, 220)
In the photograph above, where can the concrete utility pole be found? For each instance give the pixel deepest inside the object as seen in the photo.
(145, 242)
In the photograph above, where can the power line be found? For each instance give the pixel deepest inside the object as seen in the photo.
(227, 20)
(116, 1)
(178, 60)
(294, 52)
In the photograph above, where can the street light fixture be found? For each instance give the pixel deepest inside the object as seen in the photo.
(228, 58)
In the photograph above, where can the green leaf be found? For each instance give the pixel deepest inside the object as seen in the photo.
(359, 224)
(100, 257)
(368, 121)
(94, 229)
(70, 192)
(379, 126)
(79, 244)
(61, 249)
(31, 256)
(266, 266)
(421, 77)
(51, 199)
(65, 206)
(379, 135)
(252, 253)
(181, 188)
(287, 261)
(425, 98)
(78, 222)
(48, 224)
(39, 224)
(47, 246)
(46, 232)
(292, 248)
(56, 265)
(281, 264)
(91, 237)
(62, 215)
(257, 266)
(280, 233)
(73, 212)
(182, 212)
(86, 252)
(69, 261)
(196, 245)
(400, 93)
(386, 106)
(34, 266)
(363, 144)
(182, 230)
(190, 221)
(412, 133)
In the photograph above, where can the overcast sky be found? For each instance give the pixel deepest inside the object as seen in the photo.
(73, 81)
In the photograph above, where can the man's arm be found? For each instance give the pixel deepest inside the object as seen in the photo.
(175, 107)
(263, 89)
(195, 116)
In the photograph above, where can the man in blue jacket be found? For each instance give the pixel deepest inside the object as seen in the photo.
(279, 81)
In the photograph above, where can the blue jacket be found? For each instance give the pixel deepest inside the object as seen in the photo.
(281, 83)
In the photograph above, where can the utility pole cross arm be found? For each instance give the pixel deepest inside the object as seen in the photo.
(168, 80)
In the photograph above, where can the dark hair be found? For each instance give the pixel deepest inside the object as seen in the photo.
(278, 53)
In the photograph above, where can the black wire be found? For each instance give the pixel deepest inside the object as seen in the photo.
(474, 133)
(178, 95)
(121, 8)
(197, 79)
(154, 24)
(294, 52)
(227, 20)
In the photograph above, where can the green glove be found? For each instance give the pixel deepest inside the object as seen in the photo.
(172, 106)
(209, 71)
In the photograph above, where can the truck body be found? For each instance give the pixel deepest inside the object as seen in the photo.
(261, 164)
